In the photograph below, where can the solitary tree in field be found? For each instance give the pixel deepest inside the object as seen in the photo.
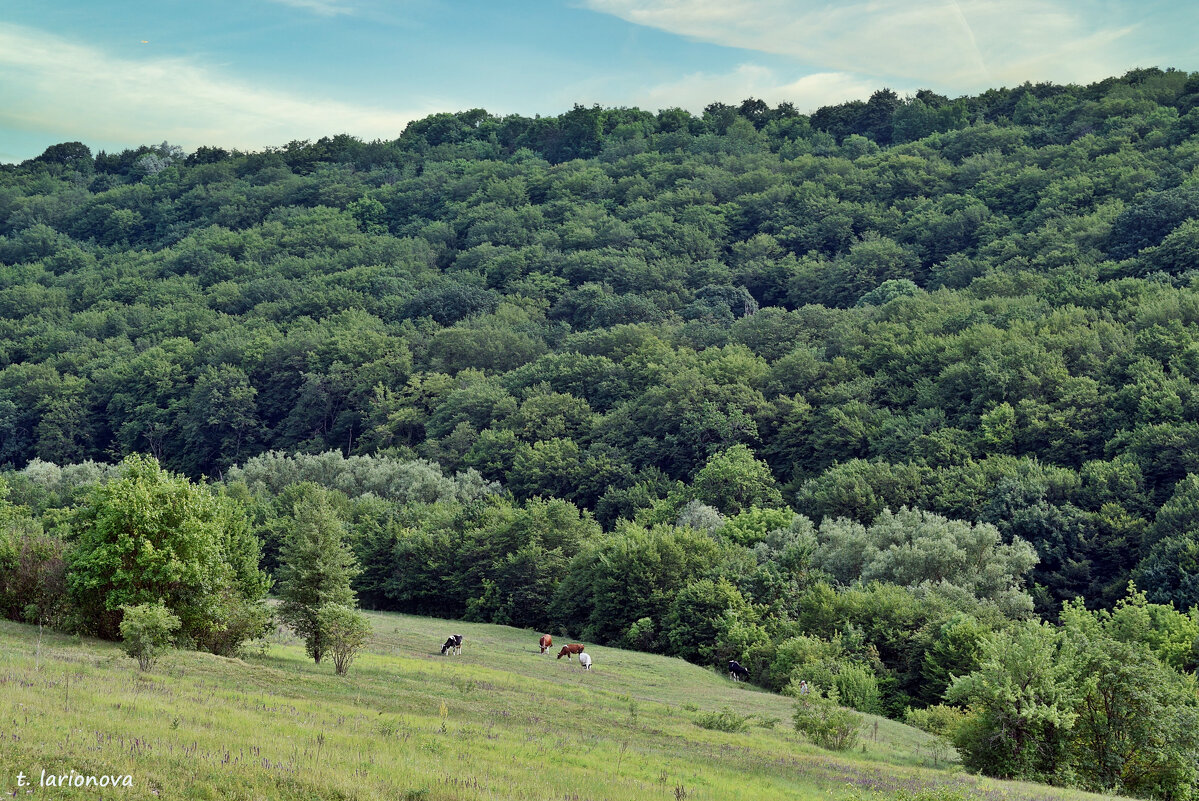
(343, 632)
(146, 632)
(316, 569)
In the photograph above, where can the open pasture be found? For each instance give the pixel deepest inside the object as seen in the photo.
(501, 720)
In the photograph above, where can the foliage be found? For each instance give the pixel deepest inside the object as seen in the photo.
(147, 631)
(733, 481)
(939, 719)
(826, 724)
(724, 720)
(700, 517)
(955, 651)
(617, 580)
(344, 632)
(32, 567)
(1136, 727)
(234, 624)
(807, 658)
(1022, 706)
(149, 536)
(1090, 701)
(846, 392)
(1170, 635)
(702, 619)
(33, 577)
(393, 479)
(857, 688)
(640, 635)
(316, 571)
(754, 525)
(915, 548)
(1169, 567)
(978, 307)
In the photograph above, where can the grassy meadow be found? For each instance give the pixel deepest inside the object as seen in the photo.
(501, 721)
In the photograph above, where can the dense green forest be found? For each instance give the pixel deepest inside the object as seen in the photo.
(863, 394)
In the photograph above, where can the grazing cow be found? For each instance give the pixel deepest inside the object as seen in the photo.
(452, 644)
(585, 661)
(567, 650)
(546, 642)
(736, 671)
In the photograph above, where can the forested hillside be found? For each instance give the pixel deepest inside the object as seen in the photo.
(864, 391)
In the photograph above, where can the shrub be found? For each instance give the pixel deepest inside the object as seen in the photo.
(235, 622)
(806, 658)
(344, 631)
(149, 536)
(33, 577)
(1020, 700)
(724, 720)
(700, 517)
(640, 636)
(941, 720)
(826, 724)
(757, 659)
(702, 613)
(146, 631)
(857, 688)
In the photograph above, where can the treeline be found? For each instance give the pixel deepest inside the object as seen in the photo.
(764, 586)
(914, 615)
(994, 321)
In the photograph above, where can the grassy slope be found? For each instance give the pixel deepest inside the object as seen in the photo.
(500, 721)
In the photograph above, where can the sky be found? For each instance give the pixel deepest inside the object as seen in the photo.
(253, 73)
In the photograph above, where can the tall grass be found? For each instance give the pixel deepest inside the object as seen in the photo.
(499, 721)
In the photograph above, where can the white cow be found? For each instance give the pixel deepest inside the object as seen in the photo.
(585, 660)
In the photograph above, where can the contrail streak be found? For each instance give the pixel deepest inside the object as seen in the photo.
(965, 23)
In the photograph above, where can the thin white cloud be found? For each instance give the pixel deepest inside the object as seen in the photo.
(325, 8)
(79, 92)
(695, 91)
(949, 43)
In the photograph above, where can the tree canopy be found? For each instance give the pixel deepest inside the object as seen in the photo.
(896, 393)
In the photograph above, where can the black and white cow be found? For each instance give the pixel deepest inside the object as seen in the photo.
(736, 671)
(453, 644)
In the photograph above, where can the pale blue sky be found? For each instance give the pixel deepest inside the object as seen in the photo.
(250, 73)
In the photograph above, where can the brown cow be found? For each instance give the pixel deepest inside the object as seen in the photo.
(546, 642)
(567, 650)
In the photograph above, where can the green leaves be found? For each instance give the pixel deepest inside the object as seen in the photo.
(344, 632)
(1089, 702)
(316, 568)
(147, 631)
(913, 548)
(148, 536)
(1022, 705)
(734, 480)
(825, 723)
